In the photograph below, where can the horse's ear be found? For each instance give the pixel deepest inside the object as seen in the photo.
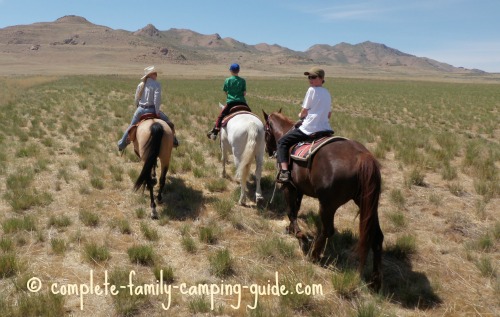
(265, 115)
(279, 111)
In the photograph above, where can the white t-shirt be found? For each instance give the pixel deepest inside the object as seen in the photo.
(318, 104)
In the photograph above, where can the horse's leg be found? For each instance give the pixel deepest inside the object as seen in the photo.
(153, 174)
(293, 198)
(163, 177)
(377, 257)
(243, 187)
(224, 157)
(259, 162)
(326, 213)
(154, 214)
(371, 237)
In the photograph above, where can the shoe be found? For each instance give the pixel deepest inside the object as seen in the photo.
(209, 134)
(212, 134)
(283, 176)
(120, 148)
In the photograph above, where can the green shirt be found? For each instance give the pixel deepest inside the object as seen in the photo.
(235, 87)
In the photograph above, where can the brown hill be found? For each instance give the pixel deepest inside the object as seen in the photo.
(74, 42)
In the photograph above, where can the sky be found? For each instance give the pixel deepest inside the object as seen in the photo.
(463, 33)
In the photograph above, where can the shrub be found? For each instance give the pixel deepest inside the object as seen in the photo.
(17, 224)
(96, 253)
(216, 185)
(8, 265)
(58, 245)
(346, 283)
(125, 303)
(397, 198)
(59, 221)
(149, 233)
(141, 254)
(89, 218)
(166, 271)
(209, 233)
(221, 263)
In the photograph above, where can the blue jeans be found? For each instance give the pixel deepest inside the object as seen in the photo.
(135, 119)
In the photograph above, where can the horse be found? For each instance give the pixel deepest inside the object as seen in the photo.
(153, 139)
(338, 172)
(243, 135)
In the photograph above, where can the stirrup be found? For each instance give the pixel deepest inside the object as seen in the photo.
(284, 176)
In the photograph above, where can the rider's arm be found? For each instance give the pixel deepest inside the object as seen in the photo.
(303, 113)
(157, 99)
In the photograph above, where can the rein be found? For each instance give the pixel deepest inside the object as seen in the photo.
(268, 131)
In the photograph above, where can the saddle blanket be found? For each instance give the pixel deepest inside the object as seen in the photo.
(234, 114)
(304, 150)
(133, 129)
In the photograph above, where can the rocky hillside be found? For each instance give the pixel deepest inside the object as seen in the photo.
(75, 41)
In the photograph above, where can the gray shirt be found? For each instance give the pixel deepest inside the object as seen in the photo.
(151, 96)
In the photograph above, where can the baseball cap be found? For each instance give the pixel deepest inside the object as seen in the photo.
(316, 71)
(234, 67)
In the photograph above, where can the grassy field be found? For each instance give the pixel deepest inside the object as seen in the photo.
(68, 214)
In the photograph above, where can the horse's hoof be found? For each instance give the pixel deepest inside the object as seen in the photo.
(376, 282)
(154, 181)
(154, 215)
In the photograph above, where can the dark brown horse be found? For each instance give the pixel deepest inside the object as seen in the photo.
(338, 172)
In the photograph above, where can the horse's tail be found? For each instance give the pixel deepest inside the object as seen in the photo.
(152, 149)
(248, 154)
(370, 234)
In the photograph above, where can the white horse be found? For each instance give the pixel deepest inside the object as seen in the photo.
(244, 136)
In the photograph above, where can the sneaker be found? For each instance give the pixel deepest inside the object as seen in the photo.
(120, 148)
(283, 176)
(209, 134)
(212, 134)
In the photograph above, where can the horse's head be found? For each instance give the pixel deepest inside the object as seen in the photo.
(275, 127)
(271, 144)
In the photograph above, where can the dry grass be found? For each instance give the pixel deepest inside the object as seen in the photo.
(67, 206)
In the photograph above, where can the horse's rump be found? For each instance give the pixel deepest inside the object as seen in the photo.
(234, 114)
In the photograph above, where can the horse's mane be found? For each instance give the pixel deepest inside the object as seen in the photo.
(282, 117)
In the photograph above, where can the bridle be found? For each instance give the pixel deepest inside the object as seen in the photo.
(268, 136)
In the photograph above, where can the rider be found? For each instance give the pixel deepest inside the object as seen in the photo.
(235, 88)
(147, 100)
(315, 115)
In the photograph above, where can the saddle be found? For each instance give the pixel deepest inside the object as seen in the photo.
(240, 108)
(232, 114)
(133, 129)
(303, 151)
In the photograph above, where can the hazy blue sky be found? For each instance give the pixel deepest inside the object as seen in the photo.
(458, 32)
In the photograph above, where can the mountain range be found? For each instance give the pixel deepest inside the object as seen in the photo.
(73, 41)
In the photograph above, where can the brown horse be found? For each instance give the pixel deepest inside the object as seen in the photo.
(153, 139)
(338, 172)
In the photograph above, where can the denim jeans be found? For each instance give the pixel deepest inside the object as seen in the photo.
(135, 119)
